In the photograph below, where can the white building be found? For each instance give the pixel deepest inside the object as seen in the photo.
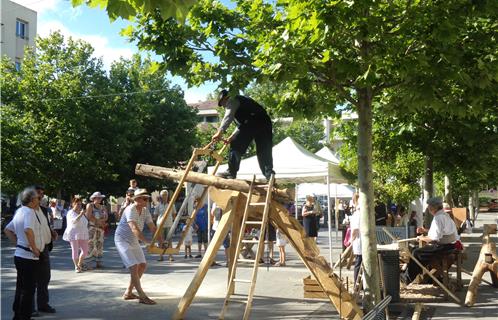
(18, 30)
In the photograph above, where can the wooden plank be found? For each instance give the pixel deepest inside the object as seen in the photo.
(207, 260)
(418, 311)
(312, 288)
(315, 295)
(459, 216)
(308, 281)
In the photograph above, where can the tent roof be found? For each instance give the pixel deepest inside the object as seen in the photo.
(326, 153)
(343, 191)
(292, 164)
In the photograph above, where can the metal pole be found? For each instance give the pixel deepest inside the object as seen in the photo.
(295, 202)
(329, 217)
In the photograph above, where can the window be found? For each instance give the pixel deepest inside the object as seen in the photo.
(21, 29)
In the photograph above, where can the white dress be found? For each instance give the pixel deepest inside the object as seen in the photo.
(281, 239)
(188, 236)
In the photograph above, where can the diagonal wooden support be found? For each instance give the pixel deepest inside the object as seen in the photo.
(209, 256)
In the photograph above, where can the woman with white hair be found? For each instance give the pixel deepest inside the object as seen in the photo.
(127, 237)
(97, 217)
(25, 230)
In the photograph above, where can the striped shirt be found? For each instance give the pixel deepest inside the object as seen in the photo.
(123, 231)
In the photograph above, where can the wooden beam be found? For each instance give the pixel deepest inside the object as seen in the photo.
(208, 180)
(481, 268)
(207, 260)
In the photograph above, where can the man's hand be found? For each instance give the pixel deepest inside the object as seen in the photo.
(217, 136)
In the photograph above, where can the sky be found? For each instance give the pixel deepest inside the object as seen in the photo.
(93, 25)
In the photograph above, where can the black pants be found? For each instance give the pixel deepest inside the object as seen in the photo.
(27, 269)
(425, 255)
(357, 265)
(261, 132)
(42, 279)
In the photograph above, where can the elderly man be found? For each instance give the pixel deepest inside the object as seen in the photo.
(441, 237)
(127, 237)
(253, 123)
(25, 230)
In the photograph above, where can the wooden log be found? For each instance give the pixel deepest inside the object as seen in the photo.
(208, 180)
(480, 269)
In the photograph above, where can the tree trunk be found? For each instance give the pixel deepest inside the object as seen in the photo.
(366, 201)
(447, 191)
(428, 187)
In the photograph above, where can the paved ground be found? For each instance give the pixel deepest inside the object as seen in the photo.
(279, 291)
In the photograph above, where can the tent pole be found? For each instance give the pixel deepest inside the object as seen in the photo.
(336, 215)
(295, 203)
(329, 218)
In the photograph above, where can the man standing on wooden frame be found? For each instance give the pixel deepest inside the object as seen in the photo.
(253, 123)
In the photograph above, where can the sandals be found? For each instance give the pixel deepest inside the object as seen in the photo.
(130, 296)
(146, 300)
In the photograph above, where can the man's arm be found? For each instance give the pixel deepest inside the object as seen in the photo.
(11, 235)
(230, 110)
(136, 231)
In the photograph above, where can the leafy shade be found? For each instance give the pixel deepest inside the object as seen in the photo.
(70, 126)
(128, 9)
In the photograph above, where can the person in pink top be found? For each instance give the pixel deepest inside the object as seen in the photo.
(77, 234)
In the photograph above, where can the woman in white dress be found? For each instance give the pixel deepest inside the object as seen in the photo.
(127, 237)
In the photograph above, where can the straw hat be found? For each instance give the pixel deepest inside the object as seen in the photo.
(96, 194)
(141, 193)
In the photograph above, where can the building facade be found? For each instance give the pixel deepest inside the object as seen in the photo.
(18, 30)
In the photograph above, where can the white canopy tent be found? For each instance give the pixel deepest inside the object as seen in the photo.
(326, 153)
(335, 190)
(292, 163)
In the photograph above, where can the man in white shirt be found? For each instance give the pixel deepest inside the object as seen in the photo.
(441, 238)
(25, 230)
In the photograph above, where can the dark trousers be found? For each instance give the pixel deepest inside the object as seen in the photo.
(261, 133)
(425, 255)
(357, 265)
(43, 279)
(27, 270)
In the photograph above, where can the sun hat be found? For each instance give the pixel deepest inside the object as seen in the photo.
(96, 194)
(141, 193)
(164, 192)
(223, 93)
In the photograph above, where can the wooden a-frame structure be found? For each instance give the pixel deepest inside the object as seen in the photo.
(231, 196)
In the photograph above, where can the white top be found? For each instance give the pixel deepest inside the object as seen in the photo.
(441, 225)
(159, 212)
(188, 235)
(77, 229)
(25, 218)
(217, 216)
(354, 223)
(123, 231)
(45, 229)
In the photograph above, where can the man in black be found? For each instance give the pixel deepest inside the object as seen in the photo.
(253, 123)
(43, 277)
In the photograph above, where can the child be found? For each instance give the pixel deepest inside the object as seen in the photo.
(281, 242)
(188, 241)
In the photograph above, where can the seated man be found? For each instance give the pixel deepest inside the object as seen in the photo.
(441, 238)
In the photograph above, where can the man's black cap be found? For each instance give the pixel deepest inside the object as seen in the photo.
(223, 94)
